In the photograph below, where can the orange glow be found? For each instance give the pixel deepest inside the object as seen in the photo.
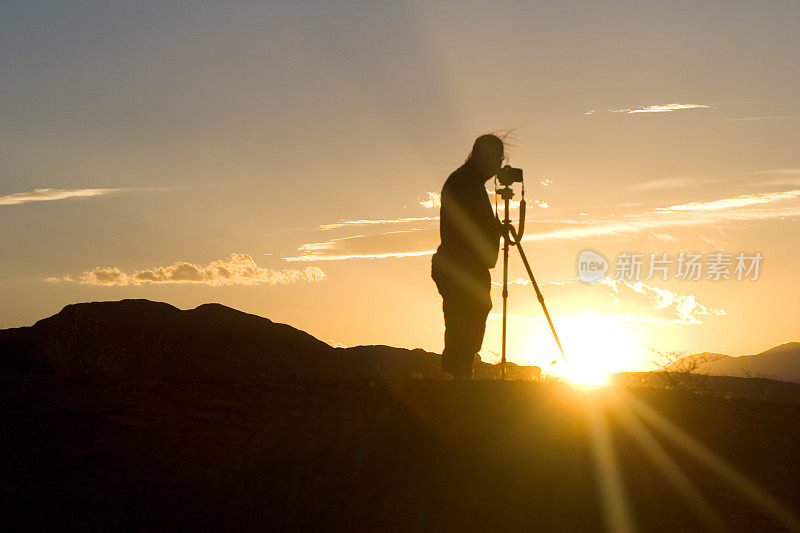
(596, 346)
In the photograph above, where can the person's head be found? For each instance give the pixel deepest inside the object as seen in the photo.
(487, 155)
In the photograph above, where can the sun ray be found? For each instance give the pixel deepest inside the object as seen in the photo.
(737, 480)
(612, 490)
(665, 464)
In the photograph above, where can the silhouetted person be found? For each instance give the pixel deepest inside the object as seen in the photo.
(470, 244)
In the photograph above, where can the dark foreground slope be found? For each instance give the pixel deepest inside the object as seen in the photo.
(149, 339)
(232, 454)
(137, 415)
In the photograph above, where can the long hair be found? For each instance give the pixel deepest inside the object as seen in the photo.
(492, 141)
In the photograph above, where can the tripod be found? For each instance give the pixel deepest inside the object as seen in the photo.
(512, 238)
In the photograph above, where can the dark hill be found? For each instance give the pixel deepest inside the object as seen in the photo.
(152, 339)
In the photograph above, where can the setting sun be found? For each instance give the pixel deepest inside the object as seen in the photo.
(594, 376)
(596, 346)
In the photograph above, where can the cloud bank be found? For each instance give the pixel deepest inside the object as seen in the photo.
(635, 302)
(431, 199)
(654, 304)
(238, 269)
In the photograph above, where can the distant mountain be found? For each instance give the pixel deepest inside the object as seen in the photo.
(781, 363)
(692, 362)
(145, 338)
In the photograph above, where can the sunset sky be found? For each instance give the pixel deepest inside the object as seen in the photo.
(285, 158)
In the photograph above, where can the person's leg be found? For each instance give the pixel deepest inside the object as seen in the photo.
(456, 337)
(465, 314)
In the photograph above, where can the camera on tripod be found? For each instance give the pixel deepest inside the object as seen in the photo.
(509, 175)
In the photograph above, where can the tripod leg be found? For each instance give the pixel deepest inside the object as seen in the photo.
(535, 288)
(505, 307)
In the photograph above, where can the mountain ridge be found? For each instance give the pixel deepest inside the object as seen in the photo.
(148, 338)
(779, 362)
(145, 338)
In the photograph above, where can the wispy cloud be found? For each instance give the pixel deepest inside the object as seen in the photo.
(374, 222)
(413, 242)
(608, 227)
(729, 203)
(766, 117)
(771, 177)
(663, 236)
(50, 195)
(524, 281)
(429, 200)
(652, 223)
(716, 212)
(392, 244)
(665, 108)
(657, 108)
(387, 255)
(670, 183)
(238, 269)
(59, 279)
